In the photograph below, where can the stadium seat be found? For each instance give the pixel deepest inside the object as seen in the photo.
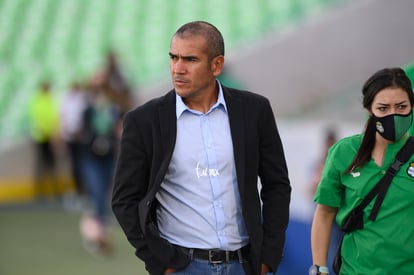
(59, 40)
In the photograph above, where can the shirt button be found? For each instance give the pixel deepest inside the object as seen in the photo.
(383, 172)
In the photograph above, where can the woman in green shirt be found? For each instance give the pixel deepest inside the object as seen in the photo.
(353, 167)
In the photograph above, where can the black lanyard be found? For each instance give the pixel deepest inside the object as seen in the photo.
(354, 220)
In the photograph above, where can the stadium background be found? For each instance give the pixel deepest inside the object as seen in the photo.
(310, 57)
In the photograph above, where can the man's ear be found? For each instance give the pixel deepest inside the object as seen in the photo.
(217, 65)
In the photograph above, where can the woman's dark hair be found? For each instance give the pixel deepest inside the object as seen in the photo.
(215, 41)
(385, 78)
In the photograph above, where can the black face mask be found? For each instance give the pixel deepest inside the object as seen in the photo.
(393, 127)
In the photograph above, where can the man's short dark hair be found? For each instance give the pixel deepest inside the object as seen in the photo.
(215, 41)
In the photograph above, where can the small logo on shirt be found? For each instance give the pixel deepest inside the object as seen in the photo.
(355, 174)
(410, 170)
(206, 172)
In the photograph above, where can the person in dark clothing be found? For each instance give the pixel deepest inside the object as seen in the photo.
(186, 182)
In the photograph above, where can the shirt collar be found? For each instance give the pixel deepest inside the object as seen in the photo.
(181, 107)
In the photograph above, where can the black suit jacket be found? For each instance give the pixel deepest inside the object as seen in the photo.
(146, 148)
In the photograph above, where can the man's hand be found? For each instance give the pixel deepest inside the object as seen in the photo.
(265, 269)
(169, 271)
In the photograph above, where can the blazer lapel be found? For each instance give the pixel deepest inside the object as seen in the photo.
(168, 129)
(236, 120)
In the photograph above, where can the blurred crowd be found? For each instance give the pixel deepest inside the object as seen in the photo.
(84, 128)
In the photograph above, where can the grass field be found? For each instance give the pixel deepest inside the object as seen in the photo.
(45, 240)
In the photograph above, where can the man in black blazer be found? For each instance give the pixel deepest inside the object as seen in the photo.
(186, 190)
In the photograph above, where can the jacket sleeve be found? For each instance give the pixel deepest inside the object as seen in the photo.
(276, 189)
(130, 186)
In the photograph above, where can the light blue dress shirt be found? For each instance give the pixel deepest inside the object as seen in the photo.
(199, 202)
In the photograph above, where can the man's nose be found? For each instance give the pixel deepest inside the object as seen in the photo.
(178, 67)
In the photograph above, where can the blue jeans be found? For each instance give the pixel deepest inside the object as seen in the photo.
(97, 175)
(202, 267)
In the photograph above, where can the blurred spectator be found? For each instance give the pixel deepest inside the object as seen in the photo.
(114, 75)
(329, 139)
(99, 138)
(115, 82)
(71, 116)
(44, 122)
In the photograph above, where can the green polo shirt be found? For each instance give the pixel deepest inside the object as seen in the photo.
(383, 246)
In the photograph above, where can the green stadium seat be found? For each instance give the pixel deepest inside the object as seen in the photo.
(63, 39)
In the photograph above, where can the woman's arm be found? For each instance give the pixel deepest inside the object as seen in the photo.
(321, 233)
